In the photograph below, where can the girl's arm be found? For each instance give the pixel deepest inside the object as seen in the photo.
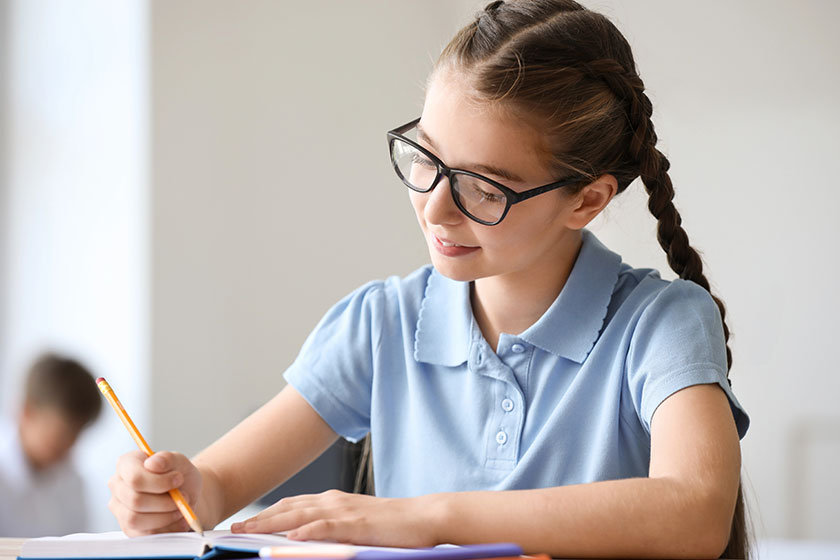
(261, 452)
(683, 509)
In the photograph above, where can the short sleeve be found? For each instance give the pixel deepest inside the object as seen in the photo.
(334, 370)
(678, 342)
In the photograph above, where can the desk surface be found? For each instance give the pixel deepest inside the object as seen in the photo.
(10, 548)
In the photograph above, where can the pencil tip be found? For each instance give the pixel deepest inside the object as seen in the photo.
(195, 525)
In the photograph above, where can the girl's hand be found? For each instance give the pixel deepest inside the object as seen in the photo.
(349, 518)
(140, 488)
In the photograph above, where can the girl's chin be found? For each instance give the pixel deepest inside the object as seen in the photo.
(460, 272)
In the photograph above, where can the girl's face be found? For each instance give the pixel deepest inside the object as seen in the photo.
(468, 135)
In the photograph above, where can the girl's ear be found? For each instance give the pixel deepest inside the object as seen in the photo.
(593, 198)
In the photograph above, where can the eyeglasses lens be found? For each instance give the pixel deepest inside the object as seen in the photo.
(477, 198)
(413, 166)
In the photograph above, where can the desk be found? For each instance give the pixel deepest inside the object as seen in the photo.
(9, 548)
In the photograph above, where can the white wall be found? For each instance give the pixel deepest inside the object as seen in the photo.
(75, 270)
(273, 194)
(5, 28)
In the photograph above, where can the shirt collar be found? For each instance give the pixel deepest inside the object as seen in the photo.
(444, 323)
(569, 328)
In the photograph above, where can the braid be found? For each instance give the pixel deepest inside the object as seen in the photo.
(683, 259)
(653, 170)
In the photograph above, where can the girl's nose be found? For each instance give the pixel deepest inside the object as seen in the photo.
(440, 209)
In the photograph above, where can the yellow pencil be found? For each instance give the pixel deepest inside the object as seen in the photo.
(180, 501)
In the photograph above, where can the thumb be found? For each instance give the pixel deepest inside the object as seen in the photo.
(160, 462)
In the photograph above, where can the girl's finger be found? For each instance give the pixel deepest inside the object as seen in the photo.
(239, 526)
(140, 501)
(326, 530)
(180, 526)
(134, 523)
(330, 496)
(281, 506)
(278, 507)
(284, 521)
(131, 471)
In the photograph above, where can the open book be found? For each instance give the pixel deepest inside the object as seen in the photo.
(115, 545)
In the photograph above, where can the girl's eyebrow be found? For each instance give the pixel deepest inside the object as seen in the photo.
(477, 167)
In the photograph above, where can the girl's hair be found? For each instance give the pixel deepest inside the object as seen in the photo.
(570, 73)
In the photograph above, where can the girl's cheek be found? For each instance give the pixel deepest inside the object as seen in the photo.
(417, 202)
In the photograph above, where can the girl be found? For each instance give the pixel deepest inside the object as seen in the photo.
(529, 386)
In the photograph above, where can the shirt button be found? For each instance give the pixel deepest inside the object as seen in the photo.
(478, 359)
(507, 405)
(518, 348)
(501, 437)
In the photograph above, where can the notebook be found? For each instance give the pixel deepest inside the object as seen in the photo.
(115, 545)
(218, 545)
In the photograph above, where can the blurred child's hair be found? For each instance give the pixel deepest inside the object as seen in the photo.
(65, 385)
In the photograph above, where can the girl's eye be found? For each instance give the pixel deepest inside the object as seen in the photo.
(418, 159)
(488, 196)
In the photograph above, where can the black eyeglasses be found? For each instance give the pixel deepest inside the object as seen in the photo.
(484, 200)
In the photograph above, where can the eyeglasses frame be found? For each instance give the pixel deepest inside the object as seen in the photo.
(511, 196)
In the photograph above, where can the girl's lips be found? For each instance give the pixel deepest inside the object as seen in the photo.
(449, 243)
(449, 248)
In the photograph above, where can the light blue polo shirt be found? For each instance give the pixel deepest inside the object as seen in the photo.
(567, 401)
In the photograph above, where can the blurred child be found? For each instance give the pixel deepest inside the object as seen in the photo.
(41, 492)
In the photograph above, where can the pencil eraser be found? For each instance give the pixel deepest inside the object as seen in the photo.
(100, 379)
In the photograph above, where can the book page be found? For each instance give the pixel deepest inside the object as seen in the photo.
(255, 541)
(116, 544)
